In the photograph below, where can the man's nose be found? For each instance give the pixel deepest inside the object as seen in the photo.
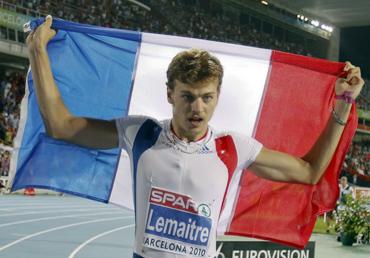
(197, 105)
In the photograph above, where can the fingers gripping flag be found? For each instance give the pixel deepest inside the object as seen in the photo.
(283, 100)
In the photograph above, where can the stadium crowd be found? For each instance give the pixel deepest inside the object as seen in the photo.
(364, 101)
(166, 17)
(173, 17)
(11, 93)
(357, 164)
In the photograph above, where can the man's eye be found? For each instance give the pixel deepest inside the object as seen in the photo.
(187, 97)
(207, 98)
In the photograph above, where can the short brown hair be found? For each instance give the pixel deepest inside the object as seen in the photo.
(194, 65)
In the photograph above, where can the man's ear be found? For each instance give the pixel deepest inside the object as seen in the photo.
(169, 95)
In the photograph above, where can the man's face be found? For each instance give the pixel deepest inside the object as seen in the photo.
(343, 181)
(192, 106)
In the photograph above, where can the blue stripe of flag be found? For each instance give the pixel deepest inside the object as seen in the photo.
(93, 68)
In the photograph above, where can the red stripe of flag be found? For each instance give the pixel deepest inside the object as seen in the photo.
(297, 105)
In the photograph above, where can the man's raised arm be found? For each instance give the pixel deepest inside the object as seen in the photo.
(278, 166)
(59, 122)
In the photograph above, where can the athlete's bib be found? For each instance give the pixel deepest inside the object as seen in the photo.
(175, 223)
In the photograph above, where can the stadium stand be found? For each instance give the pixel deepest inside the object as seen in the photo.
(11, 93)
(180, 17)
(357, 164)
(363, 101)
(192, 18)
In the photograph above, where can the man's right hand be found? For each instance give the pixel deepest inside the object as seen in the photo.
(59, 122)
(39, 38)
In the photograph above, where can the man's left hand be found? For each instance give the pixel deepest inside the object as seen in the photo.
(353, 83)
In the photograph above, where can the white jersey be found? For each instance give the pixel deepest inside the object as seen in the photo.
(179, 187)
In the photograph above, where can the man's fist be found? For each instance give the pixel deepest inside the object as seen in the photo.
(353, 83)
(40, 37)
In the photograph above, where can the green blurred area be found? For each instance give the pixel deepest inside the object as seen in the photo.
(323, 227)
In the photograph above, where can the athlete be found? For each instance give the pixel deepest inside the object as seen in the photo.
(181, 166)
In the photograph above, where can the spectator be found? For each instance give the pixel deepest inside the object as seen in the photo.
(4, 162)
(2, 186)
(345, 190)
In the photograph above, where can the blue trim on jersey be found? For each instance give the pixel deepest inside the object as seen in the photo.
(137, 256)
(145, 138)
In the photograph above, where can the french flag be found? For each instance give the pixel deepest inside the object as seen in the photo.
(283, 100)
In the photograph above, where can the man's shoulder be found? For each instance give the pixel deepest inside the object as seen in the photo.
(136, 128)
(137, 120)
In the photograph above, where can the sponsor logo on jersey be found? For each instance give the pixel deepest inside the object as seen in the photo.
(172, 200)
(204, 210)
(175, 225)
(205, 150)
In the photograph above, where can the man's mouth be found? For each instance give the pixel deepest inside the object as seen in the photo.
(195, 121)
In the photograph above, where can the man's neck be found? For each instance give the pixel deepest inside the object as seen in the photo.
(187, 139)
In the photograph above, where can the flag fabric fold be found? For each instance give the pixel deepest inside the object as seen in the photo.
(283, 100)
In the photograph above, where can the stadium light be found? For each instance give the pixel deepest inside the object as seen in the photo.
(264, 2)
(315, 23)
(327, 28)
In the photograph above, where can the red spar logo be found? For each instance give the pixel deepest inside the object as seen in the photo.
(173, 200)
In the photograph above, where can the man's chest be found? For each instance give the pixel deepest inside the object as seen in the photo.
(197, 173)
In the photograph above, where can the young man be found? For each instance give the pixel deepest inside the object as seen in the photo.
(181, 167)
